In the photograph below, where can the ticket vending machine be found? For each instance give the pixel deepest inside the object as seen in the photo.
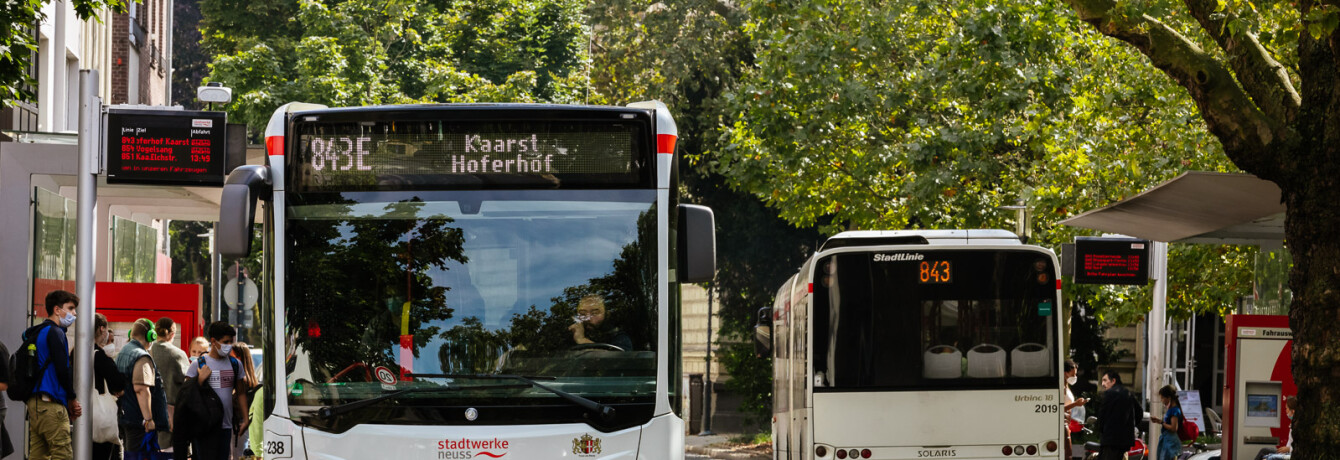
(1259, 376)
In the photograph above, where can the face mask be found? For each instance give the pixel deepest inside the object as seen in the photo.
(225, 349)
(67, 320)
(1071, 380)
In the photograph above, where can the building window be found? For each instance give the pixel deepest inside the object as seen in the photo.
(134, 251)
(54, 235)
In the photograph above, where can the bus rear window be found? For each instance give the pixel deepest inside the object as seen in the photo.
(947, 319)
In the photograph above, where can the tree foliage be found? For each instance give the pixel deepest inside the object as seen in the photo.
(18, 42)
(932, 114)
(689, 54)
(347, 53)
(1265, 77)
(928, 114)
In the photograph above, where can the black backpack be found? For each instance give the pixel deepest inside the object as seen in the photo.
(24, 371)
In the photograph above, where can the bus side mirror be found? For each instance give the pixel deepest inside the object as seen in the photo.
(697, 244)
(237, 209)
(763, 333)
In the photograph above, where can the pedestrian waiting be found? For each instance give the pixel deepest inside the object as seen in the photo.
(52, 403)
(1116, 418)
(222, 373)
(144, 410)
(171, 363)
(1170, 446)
(109, 385)
(199, 346)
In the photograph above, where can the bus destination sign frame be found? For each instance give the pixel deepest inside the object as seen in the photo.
(469, 148)
(166, 147)
(1119, 261)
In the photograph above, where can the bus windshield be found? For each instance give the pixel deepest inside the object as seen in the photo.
(934, 320)
(389, 291)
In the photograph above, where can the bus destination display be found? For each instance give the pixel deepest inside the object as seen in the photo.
(382, 155)
(166, 147)
(1111, 261)
(935, 272)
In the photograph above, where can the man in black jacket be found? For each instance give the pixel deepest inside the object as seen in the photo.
(1116, 418)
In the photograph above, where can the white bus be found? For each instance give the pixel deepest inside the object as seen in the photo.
(470, 281)
(917, 344)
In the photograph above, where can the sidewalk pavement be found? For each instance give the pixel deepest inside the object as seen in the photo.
(717, 447)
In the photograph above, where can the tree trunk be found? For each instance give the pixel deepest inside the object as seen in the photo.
(1312, 220)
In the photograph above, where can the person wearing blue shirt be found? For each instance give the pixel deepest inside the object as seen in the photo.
(1170, 446)
(53, 405)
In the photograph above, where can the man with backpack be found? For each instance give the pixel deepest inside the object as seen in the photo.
(221, 372)
(1116, 418)
(144, 410)
(43, 377)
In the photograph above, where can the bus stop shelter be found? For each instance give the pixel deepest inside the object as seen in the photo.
(1196, 207)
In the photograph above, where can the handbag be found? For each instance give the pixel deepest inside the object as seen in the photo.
(104, 418)
(150, 449)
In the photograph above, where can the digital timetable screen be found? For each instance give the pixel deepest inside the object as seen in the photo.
(1122, 261)
(341, 155)
(167, 147)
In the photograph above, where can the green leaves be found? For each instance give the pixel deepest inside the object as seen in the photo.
(1321, 20)
(918, 114)
(19, 44)
(348, 53)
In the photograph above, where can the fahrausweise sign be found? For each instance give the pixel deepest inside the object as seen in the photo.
(165, 147)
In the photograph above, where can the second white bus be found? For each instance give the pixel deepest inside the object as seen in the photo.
(918, 344)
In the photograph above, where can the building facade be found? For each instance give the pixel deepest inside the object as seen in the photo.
(39, 163)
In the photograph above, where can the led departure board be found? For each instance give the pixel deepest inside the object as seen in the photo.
(165, 147)
(1111, 261)
(433, 154)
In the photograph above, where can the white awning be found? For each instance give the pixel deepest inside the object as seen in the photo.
(1196, 207)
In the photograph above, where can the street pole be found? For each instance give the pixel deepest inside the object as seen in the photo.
(215, 271)
(1158, 320)
(237, 304)
(707, 375)
(90, 111)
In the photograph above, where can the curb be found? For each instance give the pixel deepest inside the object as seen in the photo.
(726, 454)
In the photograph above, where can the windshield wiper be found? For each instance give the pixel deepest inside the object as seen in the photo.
(331, 411)
(604, 411)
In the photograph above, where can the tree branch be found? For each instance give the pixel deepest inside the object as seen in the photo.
(1251, 138)
(1264, 78)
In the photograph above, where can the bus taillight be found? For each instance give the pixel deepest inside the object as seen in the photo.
(865, 453)
(1051, 446)
(274, 145)
(665, 143)
(820, 451)
(1006, 451)
(841, 453)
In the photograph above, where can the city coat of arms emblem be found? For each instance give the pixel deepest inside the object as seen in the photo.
(586, 446)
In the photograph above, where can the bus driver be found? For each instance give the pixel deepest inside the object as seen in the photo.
(589, 325)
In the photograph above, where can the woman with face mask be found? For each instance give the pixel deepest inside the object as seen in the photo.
(1071, 376)
(106, 378)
